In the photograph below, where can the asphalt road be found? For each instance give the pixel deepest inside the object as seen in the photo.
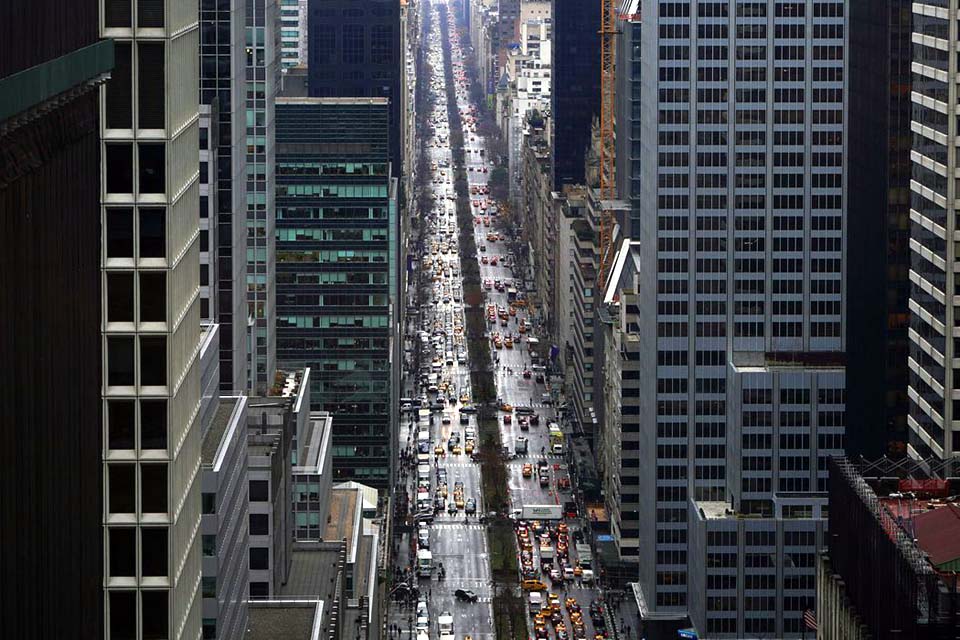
(458, 541)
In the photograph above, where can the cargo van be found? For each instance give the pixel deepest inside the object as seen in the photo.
(536, 601)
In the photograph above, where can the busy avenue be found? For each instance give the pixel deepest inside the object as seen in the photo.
(445, 590)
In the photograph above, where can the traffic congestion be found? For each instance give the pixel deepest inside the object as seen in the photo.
(446, 589)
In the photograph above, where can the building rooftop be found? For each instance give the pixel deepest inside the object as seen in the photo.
(227, 411)
(313, 571)
(343, 522)
(328, 100)
(315, 444)
(713, 509)
(285, 620)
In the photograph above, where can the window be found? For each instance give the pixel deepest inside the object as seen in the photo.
(120, 361)
(150, 87)
(152, 167)
(153, 424)
(120, 419)
(123, 552)
(259, 589)
(152, 233)
(259, 491)
(153, 488)
(381, 44)
(353, 44)
(153, 551)
(123, 615)
(209, 543)
(122, 486)
(153, 360)
(209, 628)
(119, 156)
(120, 297)
(149, 13)
(119, 233)
(155, 606)
(119, 99)
(208, 504)
(259, 558)
(153, 296)
(208, 586)
(259, 524)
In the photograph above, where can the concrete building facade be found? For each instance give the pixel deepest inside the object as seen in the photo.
(225, 524)
(151, 323)
(741, 231)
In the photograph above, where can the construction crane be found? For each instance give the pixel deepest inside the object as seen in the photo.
(608, 83)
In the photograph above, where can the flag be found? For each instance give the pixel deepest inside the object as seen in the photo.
(810, 619)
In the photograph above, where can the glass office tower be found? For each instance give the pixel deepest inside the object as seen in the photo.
(336, 272)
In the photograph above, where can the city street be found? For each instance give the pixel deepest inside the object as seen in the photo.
(446, 546)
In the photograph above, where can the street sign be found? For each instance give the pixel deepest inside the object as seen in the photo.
(689, 634)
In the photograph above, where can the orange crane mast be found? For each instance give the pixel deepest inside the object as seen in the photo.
(608, 187)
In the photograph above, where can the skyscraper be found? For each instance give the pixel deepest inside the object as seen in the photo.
(151, 324)
(627, 115)
(741, 241)
(878, 236)
(222, 86)
(51, 499)
(337, 250)
(575, 99)
(355, 52)
(932, 250)
(262, 69)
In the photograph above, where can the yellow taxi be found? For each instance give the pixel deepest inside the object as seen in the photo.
(508, 343)
(527, 470)
(533, 585)
(468, 448)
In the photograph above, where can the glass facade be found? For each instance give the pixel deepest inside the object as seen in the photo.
(576, 86)
(262, 69)
(336, 271)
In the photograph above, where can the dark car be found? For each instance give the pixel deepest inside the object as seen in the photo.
(465, 595)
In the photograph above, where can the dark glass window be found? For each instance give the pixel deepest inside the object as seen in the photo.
(119, 233)
(208, 503)
(153, 424)
(153, 296)
(259, 524)
(116, 13)
(155, 606)
(353, 44)
(122, 490)
(152, 167)
(259, 589)
(120, 420)
(123, 615)
(259, 558)
(153, 488)
(119, 167)
(153, 360)
(150, 72)
(120, 297)
(153, 233)
(120, 361)
(153, 556)
(259, 491)
(123, 552)
(119, 97)
(149, 13)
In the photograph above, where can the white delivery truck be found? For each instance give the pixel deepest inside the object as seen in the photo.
(424, 563)
(445, 625)
(536, 602)
(541, 512)
(547, 553)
